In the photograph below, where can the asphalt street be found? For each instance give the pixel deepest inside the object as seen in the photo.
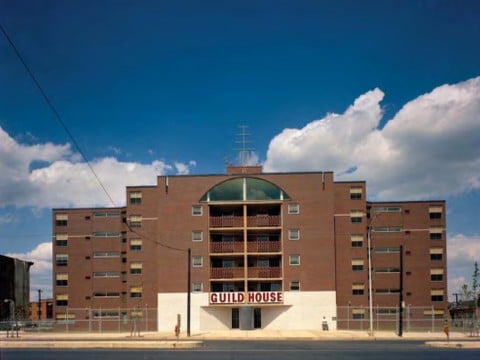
(261, 350)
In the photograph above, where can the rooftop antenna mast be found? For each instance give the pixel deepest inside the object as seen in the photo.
(245, 150)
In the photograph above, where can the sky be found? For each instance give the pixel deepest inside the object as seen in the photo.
(383, 91)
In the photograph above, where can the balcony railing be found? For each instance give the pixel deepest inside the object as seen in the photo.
(219, 247)
(261, 221)
(264, 272)
(226, 221)
(227, 273)
(263, 246)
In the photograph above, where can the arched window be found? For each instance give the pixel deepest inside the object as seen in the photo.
(244, 189)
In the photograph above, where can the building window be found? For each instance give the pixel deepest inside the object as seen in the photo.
(436, 233)
(295, 285)
(109, 314)
(293, 209)
(61, 259)
(197, 210)
(293, 234)
(105, 254)
(64, 317)
(135, 220)
(386, 291)
(357, 264)
(197, 261)
(61, 279)
(136, 244)
(101, 214)
(135, 197)
(386, 250)
(386, 209)
(356, 192)
(358, 314)
(437, 313)
(100, 234)
(437, 295)
(435, 212)
(294, 260)
(61, 240)
(358, 289)
(136, 292)
(135, 268)
(387, 270)
(105, 294)
(436, 274)
(436, 254)
(197, 235)
(61, 219)
(357, 241)
(61, 300)
(197, 287)
(106, 274)
(356, 216)
(382, 229)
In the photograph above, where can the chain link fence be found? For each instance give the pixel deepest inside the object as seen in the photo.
(137, 320)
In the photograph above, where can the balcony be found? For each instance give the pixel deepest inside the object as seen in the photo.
(227, 273)
(220, 247)
(263, 220)
(226, 221)
(263, 246)
(264, 272)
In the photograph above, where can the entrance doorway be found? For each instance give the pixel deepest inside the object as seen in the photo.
(235, 318)
(257, 318)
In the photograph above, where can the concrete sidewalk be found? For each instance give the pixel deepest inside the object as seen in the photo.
(159, 340)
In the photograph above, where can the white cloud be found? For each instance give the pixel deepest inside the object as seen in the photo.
(41, 271)
(430, 149)
(462, 252)
(48, 175)
(184, 169)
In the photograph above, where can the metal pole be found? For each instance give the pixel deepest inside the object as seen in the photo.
(400, 304)
(189, 280)
(370, 297)
(39, 305)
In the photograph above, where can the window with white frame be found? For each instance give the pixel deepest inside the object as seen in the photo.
(356, 192)
(136, 244)
(197, 287)
(295, 285)
(293, 234)
(136, 268)
(197, 261)
(357, 240)
(294, 260)
(293, 208)
(356, 216)
(197, 210)
(135, 197)
(197, 235)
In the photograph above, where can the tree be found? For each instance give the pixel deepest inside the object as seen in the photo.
(475, 289)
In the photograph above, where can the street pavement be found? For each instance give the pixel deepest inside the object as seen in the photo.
(164, 340)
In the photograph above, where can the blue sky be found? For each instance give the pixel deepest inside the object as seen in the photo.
(383, 91)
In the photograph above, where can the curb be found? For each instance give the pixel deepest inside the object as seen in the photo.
(100, 344)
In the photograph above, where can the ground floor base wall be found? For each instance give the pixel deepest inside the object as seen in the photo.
(299, 311)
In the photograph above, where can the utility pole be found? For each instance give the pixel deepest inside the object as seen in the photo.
(400, 304)
(189, 280)
(39, 310)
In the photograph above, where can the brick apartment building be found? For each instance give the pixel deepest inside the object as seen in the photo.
(268, 250)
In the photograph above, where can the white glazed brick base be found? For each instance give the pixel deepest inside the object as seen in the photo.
(300, 311)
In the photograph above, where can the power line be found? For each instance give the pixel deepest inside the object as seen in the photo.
(72, 138)
(54, 111)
